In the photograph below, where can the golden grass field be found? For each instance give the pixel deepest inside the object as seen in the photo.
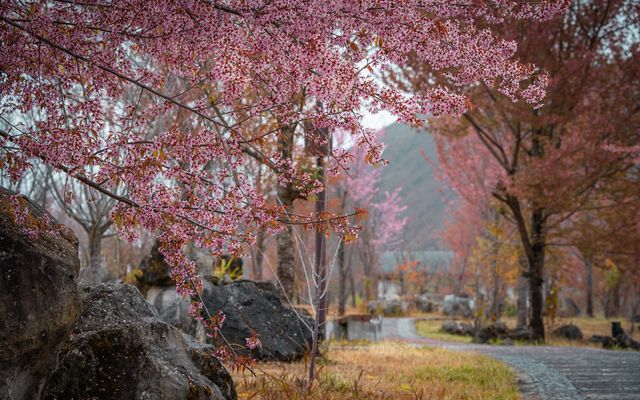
(383, 371)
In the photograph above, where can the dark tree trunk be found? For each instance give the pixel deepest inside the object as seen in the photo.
(495, 309)
(536, 277)
(534, 249)
(522, 309)
(588, 272)
(495, 296)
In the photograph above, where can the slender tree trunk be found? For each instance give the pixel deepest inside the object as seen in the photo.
(342, 279)
(457, 288)
(588, 272)
(495, 296)
(322, 278)
(352, 287)
(258, 260)
(522, 309)
(321, 272)
(259, 253)
(284, 238)
(612, 306)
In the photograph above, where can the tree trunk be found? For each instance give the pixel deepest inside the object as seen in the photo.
(352, 287)
(284, 238)
(95, 251)
(457, 288)
(259, 249)
(612, 305)
(285, 246)
(535, 275)
(522, 309)
(257, 263)
(588, 278)
(94, 271)
(534, 249)
(342, 279)
(321, 271)
(495, 296)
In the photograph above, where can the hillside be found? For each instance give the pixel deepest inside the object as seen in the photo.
(421, 191)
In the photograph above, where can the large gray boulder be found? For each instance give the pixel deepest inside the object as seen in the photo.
(249, 307)
(257, 307)
(457, 306)
(427, 303)
(120, 349)
(174, 309)
(39, 301)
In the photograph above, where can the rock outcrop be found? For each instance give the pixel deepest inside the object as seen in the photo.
(495, 331)
(570, 332)
(121, 350)
(249, 307)
(458, 306)
(457, 328)
(98, 342)
(39, 300)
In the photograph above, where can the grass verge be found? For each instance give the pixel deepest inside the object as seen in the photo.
(384, 371)
(431, 329)
(589, 326)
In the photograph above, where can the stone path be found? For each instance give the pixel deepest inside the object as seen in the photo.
(549, 373)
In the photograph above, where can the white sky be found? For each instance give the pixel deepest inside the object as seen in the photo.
(379, 120)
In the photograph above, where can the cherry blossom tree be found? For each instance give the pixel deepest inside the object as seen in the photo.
(308, 62)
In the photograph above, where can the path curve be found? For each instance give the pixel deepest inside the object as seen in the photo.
(547, 372)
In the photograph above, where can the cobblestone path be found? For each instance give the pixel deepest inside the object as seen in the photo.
(549, 373)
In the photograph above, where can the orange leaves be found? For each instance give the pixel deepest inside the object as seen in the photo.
(361, 215)
(160, 154)
(350, 237)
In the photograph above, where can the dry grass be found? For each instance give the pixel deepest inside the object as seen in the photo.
(588, 326)
(384, 371)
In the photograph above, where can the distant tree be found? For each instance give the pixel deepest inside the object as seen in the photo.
(552, 158)
(91, 210)
(379, 215)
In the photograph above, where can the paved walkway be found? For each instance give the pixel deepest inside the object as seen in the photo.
(549, 373)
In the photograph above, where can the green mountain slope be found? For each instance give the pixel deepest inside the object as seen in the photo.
(422, 193)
